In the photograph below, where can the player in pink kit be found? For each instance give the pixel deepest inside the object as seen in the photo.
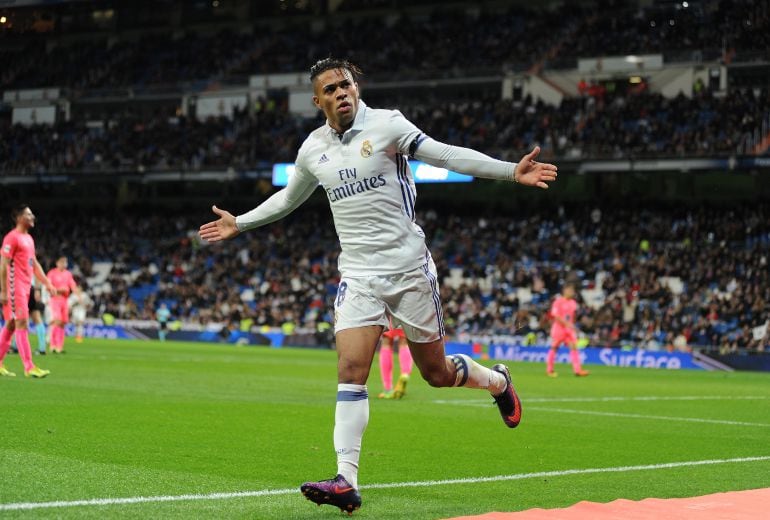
(62, 279)
(391, 338)
(563, 330)
(17, 266)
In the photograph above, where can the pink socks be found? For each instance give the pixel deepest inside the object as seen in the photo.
(550, 360)
(22, 344)
(404, 360)
(386, 367)
(5, 342)
(575, 358)
(57, 338)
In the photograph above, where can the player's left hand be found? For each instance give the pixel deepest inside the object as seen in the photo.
(532, 173)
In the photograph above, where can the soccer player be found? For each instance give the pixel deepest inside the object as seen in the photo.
(563, 330)
(359, 157)
(18, 264)
(162, 315)
(65, 284)
(390, 338)
(79, 303)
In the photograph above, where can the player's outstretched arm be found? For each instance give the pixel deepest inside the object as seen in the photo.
(529, 172)
(222, 229)
(465, 160)
(300, 186)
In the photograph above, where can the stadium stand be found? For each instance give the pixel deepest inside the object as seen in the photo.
(619, 126)
(657, 277)
(425, 39)
(730, 30)
(676, 277)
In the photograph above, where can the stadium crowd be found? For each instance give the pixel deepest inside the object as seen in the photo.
(674, 278)
(444, 42)
(619, 125)
(130, 142)
(688, 31)
(420, 45)
(658, 277)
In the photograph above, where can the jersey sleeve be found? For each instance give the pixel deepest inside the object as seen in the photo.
(405, 134)
(9, 246)
(300, 186)
(464, 160)
(71, 282)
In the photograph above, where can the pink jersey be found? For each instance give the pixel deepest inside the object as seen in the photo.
(564, 308)
(19, 248)
(63, 281)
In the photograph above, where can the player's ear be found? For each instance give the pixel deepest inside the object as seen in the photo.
(316, 102)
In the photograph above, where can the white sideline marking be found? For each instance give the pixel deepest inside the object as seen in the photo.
(643, 416)
(486, 404)
(391, 485)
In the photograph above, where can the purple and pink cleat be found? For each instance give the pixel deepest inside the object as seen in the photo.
(336, 492)
(508, 402)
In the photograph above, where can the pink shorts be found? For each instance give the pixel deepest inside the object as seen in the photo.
(17, 306)
(60, 310)
(563, 336)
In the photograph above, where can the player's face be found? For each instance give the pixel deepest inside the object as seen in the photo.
(26, 218)
(61, 263)
(569, 291)
(336, 94)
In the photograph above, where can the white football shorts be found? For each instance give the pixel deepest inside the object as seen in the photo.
(78, 314)
(411, 299)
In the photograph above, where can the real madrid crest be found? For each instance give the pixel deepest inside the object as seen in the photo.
(366, 149)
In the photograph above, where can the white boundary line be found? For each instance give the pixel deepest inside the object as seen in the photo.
(392, 485)
(642, 416)
(479, 403)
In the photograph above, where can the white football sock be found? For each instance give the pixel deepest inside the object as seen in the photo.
(470, 374)
(350, 421)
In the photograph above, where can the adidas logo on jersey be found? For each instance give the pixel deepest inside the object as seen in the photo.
(323, 159)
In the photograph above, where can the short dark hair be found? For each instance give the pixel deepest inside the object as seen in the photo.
(18, 210)
(334, 63)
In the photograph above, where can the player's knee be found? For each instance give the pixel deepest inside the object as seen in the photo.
(437, 378)
(352, 373)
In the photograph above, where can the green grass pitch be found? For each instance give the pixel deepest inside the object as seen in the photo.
(121, 419)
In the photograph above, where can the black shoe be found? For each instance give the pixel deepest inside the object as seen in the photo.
(336, 492)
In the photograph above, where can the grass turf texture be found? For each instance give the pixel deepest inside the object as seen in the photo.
(124, 419)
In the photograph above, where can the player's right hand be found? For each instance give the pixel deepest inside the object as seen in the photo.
(221, 229)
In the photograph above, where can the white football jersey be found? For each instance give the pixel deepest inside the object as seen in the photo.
(370, 188)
